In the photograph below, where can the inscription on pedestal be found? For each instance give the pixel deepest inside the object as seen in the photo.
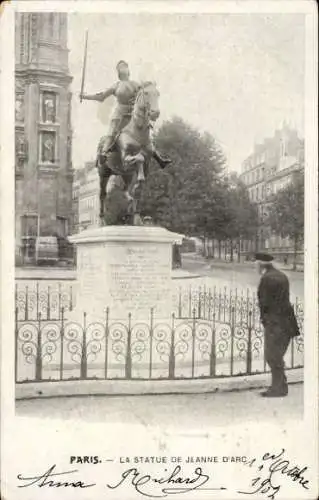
(138, 278)
(126, 269)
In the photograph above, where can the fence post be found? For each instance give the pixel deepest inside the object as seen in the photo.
(71, 299)
(62, 343)
(293, 340)
(16, 296)
(232, 336)
(151, 341)
(204, 302)
(209, 304)
(106, 341)
(231, 309)
(16, 330)
(128, 364)
(193, 343)
(48, 303)
(171, 362)
(59, 300)
(83, 373)
(225, 302)
(212, 372)
(219, 304)
(249, 344)
(179, 303)
(199, 302)
(38, 360)
(37, 298)
(26, 311)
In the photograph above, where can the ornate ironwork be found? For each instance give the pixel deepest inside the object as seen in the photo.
(140, 340)
(73, 335)
(51, 334)
(95, 340)
(221, 329)
(162, 338)
(27, 341)
(47, 300)
(118, 333)
(204, 340)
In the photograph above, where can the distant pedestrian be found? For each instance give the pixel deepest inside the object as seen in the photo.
(279, 321)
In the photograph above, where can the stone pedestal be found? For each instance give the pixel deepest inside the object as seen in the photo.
(125, 268)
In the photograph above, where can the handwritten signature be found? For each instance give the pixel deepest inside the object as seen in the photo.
(269, 473)
(45, 479)
(154, 487)
(170, 483)
(272, 465)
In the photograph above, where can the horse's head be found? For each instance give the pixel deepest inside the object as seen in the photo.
(146, 103)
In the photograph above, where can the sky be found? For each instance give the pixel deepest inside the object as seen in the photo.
(237, 76)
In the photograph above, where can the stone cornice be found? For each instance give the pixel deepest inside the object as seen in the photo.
(32, 73)
(126, 234)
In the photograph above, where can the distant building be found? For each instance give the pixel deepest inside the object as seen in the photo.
(267, 170)
(43, 133)
(86, 197)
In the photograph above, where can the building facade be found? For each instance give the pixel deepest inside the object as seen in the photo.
(43, 133)
(86, 197)
(270, 168)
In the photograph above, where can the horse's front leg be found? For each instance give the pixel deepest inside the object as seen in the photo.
(104, 177)
(137, 189)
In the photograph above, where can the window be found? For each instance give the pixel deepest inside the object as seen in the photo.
(48, 147)
(49, 107)
(62, 226)
(29, 225)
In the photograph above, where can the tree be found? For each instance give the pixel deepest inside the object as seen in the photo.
(180, 197)
(286, 212)
(242, 214)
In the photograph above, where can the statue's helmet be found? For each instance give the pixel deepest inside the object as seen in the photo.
(120, 64)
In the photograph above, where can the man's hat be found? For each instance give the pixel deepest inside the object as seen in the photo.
(264, 257)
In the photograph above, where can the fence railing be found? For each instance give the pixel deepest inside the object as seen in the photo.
(201, 302)
(58, 350)
(48, 301)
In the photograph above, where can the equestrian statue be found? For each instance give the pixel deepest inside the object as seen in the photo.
(124, 153)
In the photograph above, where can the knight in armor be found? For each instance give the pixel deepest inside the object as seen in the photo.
(125, 91)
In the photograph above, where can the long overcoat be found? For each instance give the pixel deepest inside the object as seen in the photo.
(274, 303)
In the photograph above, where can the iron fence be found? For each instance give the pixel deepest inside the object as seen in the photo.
(225, 305)
(180, 348)
(48, 301)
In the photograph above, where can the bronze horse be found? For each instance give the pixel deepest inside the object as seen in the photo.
(129, 156)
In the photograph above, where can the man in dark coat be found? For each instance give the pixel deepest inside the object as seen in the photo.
(279, 321)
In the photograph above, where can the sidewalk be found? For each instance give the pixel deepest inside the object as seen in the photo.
(60, 273)
(216, 262)
(118, 387)
(178, 411)
(44, 273)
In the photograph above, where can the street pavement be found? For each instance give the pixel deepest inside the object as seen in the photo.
(171, 411)
(237, 275)
(196, 271)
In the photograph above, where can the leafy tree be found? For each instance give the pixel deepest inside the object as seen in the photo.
(181, 197)
(286, 212)
(242, 214)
